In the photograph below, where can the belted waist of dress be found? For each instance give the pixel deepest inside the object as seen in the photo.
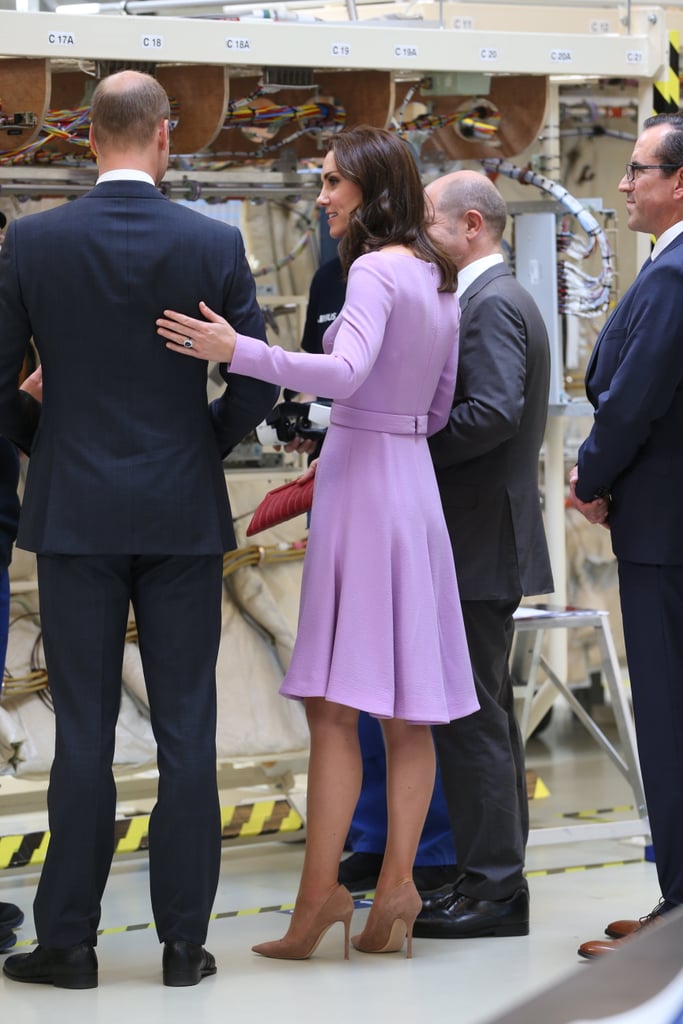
(382, 422)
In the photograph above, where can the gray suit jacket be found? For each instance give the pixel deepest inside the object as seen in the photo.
(486, 458)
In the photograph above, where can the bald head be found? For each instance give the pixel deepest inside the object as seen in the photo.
(129, 122)
(468, 215)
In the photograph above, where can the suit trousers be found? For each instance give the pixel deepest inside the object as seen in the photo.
(481, 758)
(652, 613)
(84, 604)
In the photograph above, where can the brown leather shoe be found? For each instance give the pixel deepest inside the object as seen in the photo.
(621, 929)
(599, 947)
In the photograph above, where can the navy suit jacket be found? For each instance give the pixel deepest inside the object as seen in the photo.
(634, 381)
(126, 450)
(486, 458)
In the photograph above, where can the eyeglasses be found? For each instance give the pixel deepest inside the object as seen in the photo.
(632, 169)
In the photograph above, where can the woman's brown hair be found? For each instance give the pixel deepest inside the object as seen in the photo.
(392, 211)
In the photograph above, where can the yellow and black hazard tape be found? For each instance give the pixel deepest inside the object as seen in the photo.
(264, 817)
(666, 93)
(360, 902)
(573, 868)
(599, 813)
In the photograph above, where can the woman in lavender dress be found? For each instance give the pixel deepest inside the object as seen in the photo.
(380, 622)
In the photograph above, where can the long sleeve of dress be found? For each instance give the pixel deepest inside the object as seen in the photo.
(359, 332)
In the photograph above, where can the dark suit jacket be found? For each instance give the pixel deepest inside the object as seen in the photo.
(126, 452)
(635, 383)
(486, 458)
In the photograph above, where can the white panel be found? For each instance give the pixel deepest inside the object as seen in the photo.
(536, 269)
(386, 46)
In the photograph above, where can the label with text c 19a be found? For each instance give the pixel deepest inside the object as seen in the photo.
(405, 51)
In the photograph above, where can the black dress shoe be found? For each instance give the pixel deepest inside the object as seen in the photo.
(75, 967)
(7, 939)
(10, 916)
(186, 963)
(438, 898)
(455, 916)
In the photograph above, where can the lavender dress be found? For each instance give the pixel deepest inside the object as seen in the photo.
(380, 625)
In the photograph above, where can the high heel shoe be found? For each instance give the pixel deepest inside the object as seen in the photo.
(337, 907)
(390, 922)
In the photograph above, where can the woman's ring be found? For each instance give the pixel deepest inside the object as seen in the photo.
(187, 343)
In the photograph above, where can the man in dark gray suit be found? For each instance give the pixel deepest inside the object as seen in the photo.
(486, 460)
(125, 503)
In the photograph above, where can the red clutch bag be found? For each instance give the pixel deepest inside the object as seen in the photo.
(281, 504)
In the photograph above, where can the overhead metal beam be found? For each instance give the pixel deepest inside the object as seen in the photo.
(408, 48)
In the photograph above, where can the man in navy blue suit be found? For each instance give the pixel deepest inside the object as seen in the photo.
(125, 504)
(629, 477)
(10, 915)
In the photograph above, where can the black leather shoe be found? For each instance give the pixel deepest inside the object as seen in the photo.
(186, 963)
(75, 967)
(10, 916)
(455, 916)
(7, 939)
(360, 871)
(438, 898)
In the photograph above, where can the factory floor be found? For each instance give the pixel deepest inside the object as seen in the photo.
(576, 887)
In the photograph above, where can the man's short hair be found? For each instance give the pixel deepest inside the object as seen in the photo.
(670, 149)
(475, 193)
(126, 110)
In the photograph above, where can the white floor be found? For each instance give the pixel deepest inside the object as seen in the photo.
(575, 890)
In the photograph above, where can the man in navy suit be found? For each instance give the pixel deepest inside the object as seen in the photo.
(125, 504)
(10, 915)
(629, 477)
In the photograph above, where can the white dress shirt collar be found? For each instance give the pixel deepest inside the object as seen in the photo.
(666, 238)
(125, 174)
(473, 270)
